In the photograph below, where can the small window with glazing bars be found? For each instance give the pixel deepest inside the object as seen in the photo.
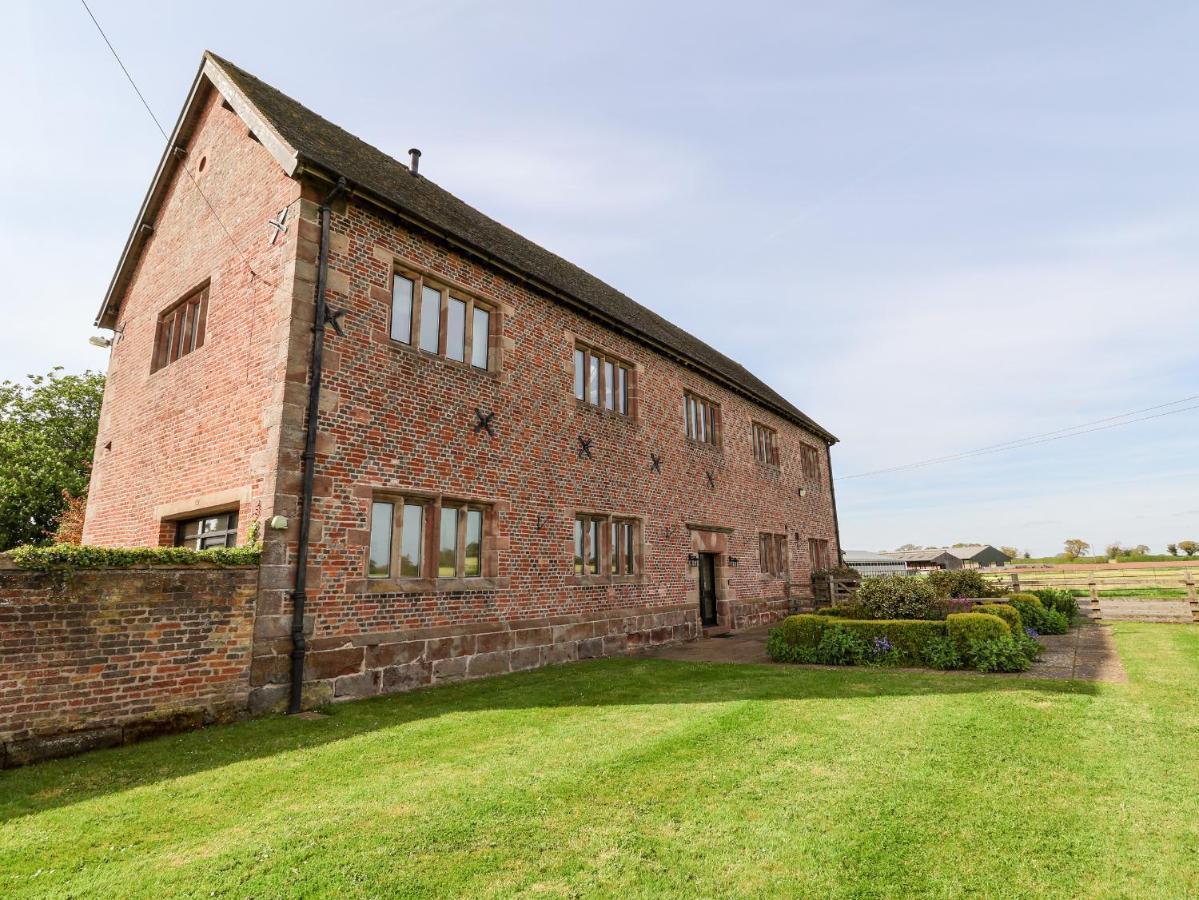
(181, 328)
(702, 419)
(766, 448)
(602, 380)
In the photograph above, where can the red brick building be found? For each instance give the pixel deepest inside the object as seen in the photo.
(515, 464)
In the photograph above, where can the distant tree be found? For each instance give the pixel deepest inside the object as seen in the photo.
(1010, 551)
(47, 435)
(1076, 547)
(1172, 549)
(1027, 554)
(1141, 549)
(1115, 551)
(70, 521)
(908, 547)
(1190, 548)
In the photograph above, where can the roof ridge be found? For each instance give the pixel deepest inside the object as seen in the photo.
(338, 151)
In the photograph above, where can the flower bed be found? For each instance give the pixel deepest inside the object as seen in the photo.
(968, 640)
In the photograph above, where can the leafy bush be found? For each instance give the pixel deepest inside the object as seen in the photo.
(1056, 598)
(964, 583)
(1035, 615)
(897, 597)
(940, 652)
(944, 607)
(69, 557)
(842, 572)
(1005, 611)
(798, 638)
(840, 647)
(997, 654)
(968, 628)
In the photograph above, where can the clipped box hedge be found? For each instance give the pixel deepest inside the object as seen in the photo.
(908, 637)
(1005, 611)
(70, 557)
(964, 628)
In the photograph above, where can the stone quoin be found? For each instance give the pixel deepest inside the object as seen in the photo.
(516, 464)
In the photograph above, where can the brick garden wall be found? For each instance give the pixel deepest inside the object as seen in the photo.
(99, 658)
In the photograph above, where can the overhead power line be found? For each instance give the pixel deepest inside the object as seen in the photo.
(1043, 438)
(166, 137)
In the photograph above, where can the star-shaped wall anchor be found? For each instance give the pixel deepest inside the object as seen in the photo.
(483, 421)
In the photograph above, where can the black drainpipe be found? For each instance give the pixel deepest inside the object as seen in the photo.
(832, 493)
(300, 594)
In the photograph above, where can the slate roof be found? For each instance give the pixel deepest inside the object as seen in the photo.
(327, 147)
(918, 555)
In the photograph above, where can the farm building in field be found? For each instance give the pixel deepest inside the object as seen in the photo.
(978, 556)
(870, 564)
(926, 560)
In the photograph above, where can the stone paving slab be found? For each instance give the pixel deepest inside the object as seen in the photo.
(1087, 653)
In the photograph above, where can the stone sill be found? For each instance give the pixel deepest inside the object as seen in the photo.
(430, 585)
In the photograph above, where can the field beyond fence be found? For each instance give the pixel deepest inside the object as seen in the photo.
(1133, 580)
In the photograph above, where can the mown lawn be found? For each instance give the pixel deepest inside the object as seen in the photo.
(650, 778)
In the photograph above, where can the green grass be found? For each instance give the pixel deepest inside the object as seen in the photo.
(650, 778)
(1144, 593)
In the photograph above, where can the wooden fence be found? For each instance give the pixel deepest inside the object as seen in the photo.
(1116, 593)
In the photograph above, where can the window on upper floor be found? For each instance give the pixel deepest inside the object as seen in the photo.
(205, 532)
(818, 554)
(809, 459)
(772, 554)
(181, 328)
(413, 537)
(607, 545)
(602, 380)
(702, 419)
(441, 320)
(765, 441)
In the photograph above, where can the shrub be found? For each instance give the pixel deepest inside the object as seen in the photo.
(1035, 615)
(964, 583)
(997, 654)
(947, 606)
(941, 652)
(799, 638)
(967, 628)
(897, 597)
(1056, 598)
(840, 647)
(1005, 611)
(68, 557)
(841, 571)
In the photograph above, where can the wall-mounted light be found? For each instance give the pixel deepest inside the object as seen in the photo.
(803, 492)
(96, 341)
(692, 560)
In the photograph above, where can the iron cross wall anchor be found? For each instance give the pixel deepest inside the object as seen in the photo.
(483, 421)
(585, 448)
(711, 480)
(655, 463)
(279, 223)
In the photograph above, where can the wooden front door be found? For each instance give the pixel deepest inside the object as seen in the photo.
(707, 589)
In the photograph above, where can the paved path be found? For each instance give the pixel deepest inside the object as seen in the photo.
(1087, 653)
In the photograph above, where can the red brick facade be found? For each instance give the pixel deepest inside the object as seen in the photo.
(395, 420)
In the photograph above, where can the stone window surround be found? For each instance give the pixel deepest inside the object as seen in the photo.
(771, 437)
(434, 500)
(398, 264)
(168, 515)
(198, 296)
(780, 545)
(591, 349)
(605, 576)
(714, 421)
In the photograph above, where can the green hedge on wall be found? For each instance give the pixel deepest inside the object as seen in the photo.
(68, 557)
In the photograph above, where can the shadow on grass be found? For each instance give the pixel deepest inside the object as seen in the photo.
(628, 681)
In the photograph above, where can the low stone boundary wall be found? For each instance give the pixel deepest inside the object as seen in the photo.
(382, 663)
(96, 658)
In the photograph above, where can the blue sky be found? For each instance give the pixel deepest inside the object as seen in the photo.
(933, 226)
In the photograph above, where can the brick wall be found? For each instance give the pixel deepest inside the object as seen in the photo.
(99, 658)
(204, 431)
(399, 420)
